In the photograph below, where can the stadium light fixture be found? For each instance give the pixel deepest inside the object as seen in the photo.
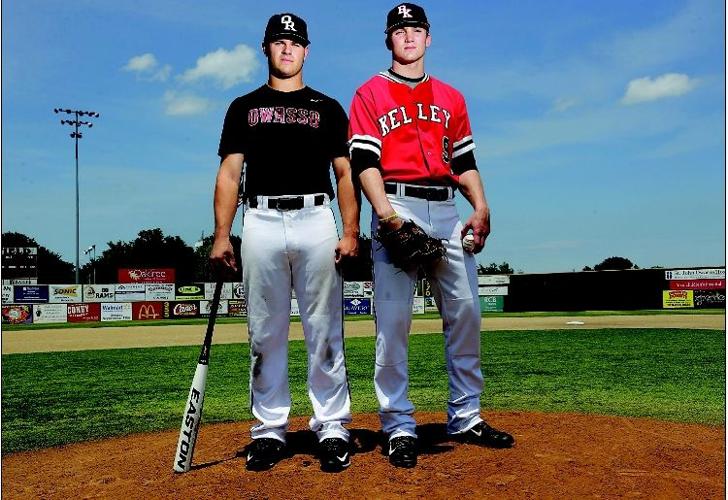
(76, 135)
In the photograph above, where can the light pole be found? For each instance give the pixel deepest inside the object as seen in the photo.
(76, 135)
(90, 249)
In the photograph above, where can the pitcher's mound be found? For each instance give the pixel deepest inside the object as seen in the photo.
(556, 456)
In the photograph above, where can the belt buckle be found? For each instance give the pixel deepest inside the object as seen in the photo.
(289, 203)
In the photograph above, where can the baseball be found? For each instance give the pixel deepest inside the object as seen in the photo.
(468, 243)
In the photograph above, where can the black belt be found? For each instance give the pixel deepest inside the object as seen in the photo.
(429, 193)
(287, 202)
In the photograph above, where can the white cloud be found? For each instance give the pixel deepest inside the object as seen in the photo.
(563, 103)
(668, 85)
(226, 67)
(185, 104)
(140, 64)
(147, 68)
(162, 74)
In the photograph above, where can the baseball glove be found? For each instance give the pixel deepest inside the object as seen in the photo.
(409, 247)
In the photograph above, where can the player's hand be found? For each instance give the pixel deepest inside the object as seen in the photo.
(348, 246)
(222, 256)
(479, 224)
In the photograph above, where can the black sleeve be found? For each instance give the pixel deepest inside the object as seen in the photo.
(463, 163)
(362, 159)
(338, 133)
(234, 131)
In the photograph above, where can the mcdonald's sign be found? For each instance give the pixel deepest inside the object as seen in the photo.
(146, 310)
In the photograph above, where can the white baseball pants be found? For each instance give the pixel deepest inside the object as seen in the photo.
(455, 288)
(295, 248)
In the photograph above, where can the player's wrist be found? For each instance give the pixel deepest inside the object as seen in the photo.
(352, 232)
(391, 224)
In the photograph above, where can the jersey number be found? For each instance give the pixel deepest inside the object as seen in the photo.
(446, 149)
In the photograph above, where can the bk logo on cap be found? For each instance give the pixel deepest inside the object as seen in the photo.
(406, 14)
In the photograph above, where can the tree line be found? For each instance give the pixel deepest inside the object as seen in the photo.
(153, 249)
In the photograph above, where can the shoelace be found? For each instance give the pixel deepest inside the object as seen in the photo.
(265, 445)
(332, 445)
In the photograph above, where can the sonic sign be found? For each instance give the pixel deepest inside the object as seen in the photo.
(153, 275)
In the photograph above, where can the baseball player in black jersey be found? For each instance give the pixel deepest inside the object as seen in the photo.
(288, 135)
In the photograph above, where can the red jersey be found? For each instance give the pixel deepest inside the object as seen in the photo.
(415, 133)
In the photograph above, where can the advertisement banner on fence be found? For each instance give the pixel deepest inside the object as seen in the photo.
(677, 299)
(181, 309)
(697, 285)
(237, 307)
(418, 305)
(492, 290)
(190, 291)
(79, 313)
(65, 294)
(17, 314)
(353, 288)
(206, 307)
(116, 311)
(354, 306)
(7, 294)
(159, 291)
(368, 288)
(491, 303)
(226, 292)
(130, 292)
(704, 299)
(294, 308)
(153, 275)
(50, 313)
(98, 293)
(695, 274)
(430, 305)
(143, 311)
(31, 294)
(494, 280)
(238, 292)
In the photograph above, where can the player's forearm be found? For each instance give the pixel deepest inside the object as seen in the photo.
(373, 187)
(226, 196)
(349, 204)
(472, 188)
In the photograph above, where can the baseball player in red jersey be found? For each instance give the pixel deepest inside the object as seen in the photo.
(288, 136)
(412, 147)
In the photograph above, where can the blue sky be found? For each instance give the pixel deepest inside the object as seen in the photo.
(600, 126)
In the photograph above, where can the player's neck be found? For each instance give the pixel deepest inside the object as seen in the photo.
(286, 84)
(413, 70)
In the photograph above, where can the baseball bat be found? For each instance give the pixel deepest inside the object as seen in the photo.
(193, 410)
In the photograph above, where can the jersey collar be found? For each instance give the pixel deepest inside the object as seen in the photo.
(394, 77)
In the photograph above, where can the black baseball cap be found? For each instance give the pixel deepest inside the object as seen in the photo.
(406, 14)
(286, 25)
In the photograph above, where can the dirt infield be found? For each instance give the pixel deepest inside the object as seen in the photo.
(556, 456)
(75, 339)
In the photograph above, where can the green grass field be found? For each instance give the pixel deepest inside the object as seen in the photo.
(55, 398)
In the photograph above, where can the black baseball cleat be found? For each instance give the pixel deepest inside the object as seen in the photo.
(484, 435)
(334, 455)
(264, 453)
(403, 452)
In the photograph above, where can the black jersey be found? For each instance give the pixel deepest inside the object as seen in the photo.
(288, 140)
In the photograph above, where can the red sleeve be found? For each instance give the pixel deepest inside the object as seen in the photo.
(462, 133)
(364, 133)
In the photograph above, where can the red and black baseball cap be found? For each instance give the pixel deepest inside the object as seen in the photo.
(406, 14)
(288, 26)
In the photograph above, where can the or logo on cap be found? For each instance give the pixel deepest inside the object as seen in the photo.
(404, 11)
(287, 23)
